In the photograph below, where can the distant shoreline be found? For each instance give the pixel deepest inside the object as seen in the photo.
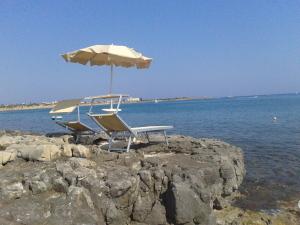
(11, 108)
(20, 107)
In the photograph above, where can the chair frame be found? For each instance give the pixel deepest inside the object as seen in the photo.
(131, 133)
(111, 97)
(74, 131)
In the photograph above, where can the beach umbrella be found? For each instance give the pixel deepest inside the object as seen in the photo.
(110, 55)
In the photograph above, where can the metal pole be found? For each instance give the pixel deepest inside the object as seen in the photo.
(110, 88)
(119, 102)
(78, 113)
(111, 78)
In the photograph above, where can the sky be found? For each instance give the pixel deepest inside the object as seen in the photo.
(199, 48)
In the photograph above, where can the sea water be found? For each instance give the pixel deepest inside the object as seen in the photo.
(271, 145)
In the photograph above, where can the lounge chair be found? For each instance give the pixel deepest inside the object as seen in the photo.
(77, 127)
(115, 127)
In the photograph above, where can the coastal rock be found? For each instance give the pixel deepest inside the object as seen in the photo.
(81, 162)
(11, 191)
(43, 152)
(6, 141)
(142, 208)
(66, 150)
(185, 206)
(6, 157)
(184, 183)
(236, 216)
(81, 151)
(60, 185)
(26, 210)
(157, 216)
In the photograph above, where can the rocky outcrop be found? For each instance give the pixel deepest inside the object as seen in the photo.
(6, 157)
(50, 182)
(39, 148)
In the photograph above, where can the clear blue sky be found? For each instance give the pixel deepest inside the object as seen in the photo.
(200, 48)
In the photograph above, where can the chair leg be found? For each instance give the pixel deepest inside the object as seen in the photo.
(129, 143)
(76, 138)
(166, 138)
(147, 136)
(110, 141)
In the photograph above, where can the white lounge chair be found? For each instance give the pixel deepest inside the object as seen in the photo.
(76, 127)
(115, 127)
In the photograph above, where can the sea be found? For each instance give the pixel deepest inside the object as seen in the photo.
(267, 128)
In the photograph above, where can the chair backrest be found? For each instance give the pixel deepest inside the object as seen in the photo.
(111, 122)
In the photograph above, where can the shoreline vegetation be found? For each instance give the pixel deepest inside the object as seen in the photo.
(32, 106)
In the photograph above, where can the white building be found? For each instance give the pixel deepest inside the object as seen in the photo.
(131, 99)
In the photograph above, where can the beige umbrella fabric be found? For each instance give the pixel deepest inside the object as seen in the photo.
(112, 55)
(108, 55)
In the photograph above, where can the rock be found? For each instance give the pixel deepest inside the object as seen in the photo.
(26, 211)
(146, 178)
(72, 209)
(67, 138)
(86, 139)
(236, 216)
(7, 222)
(185, 183)
(75, 208)
(6, 157)
(185, 206)
(115, 216)
(81, 151)
(66, 150)
(63, 168)
(79, 195)
(77, 174)
(6, 140)
(119, 184)
(132, 161)
(157, 215)
(81, 162)
(38, 187)
(160, 181)
(108, 156)
(12, 191)
(38, 181)
(227, 171)
(60, 185)
(142, 208)
(44, 152)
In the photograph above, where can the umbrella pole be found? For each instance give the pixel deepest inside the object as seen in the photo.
(110, 87)
(111, 78)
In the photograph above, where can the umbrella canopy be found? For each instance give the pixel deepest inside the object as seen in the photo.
(112, 55)
(108, 55)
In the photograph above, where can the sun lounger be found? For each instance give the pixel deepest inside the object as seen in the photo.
(115, 127)
(76, 127)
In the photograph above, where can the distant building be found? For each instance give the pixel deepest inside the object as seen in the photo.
(133, 99)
